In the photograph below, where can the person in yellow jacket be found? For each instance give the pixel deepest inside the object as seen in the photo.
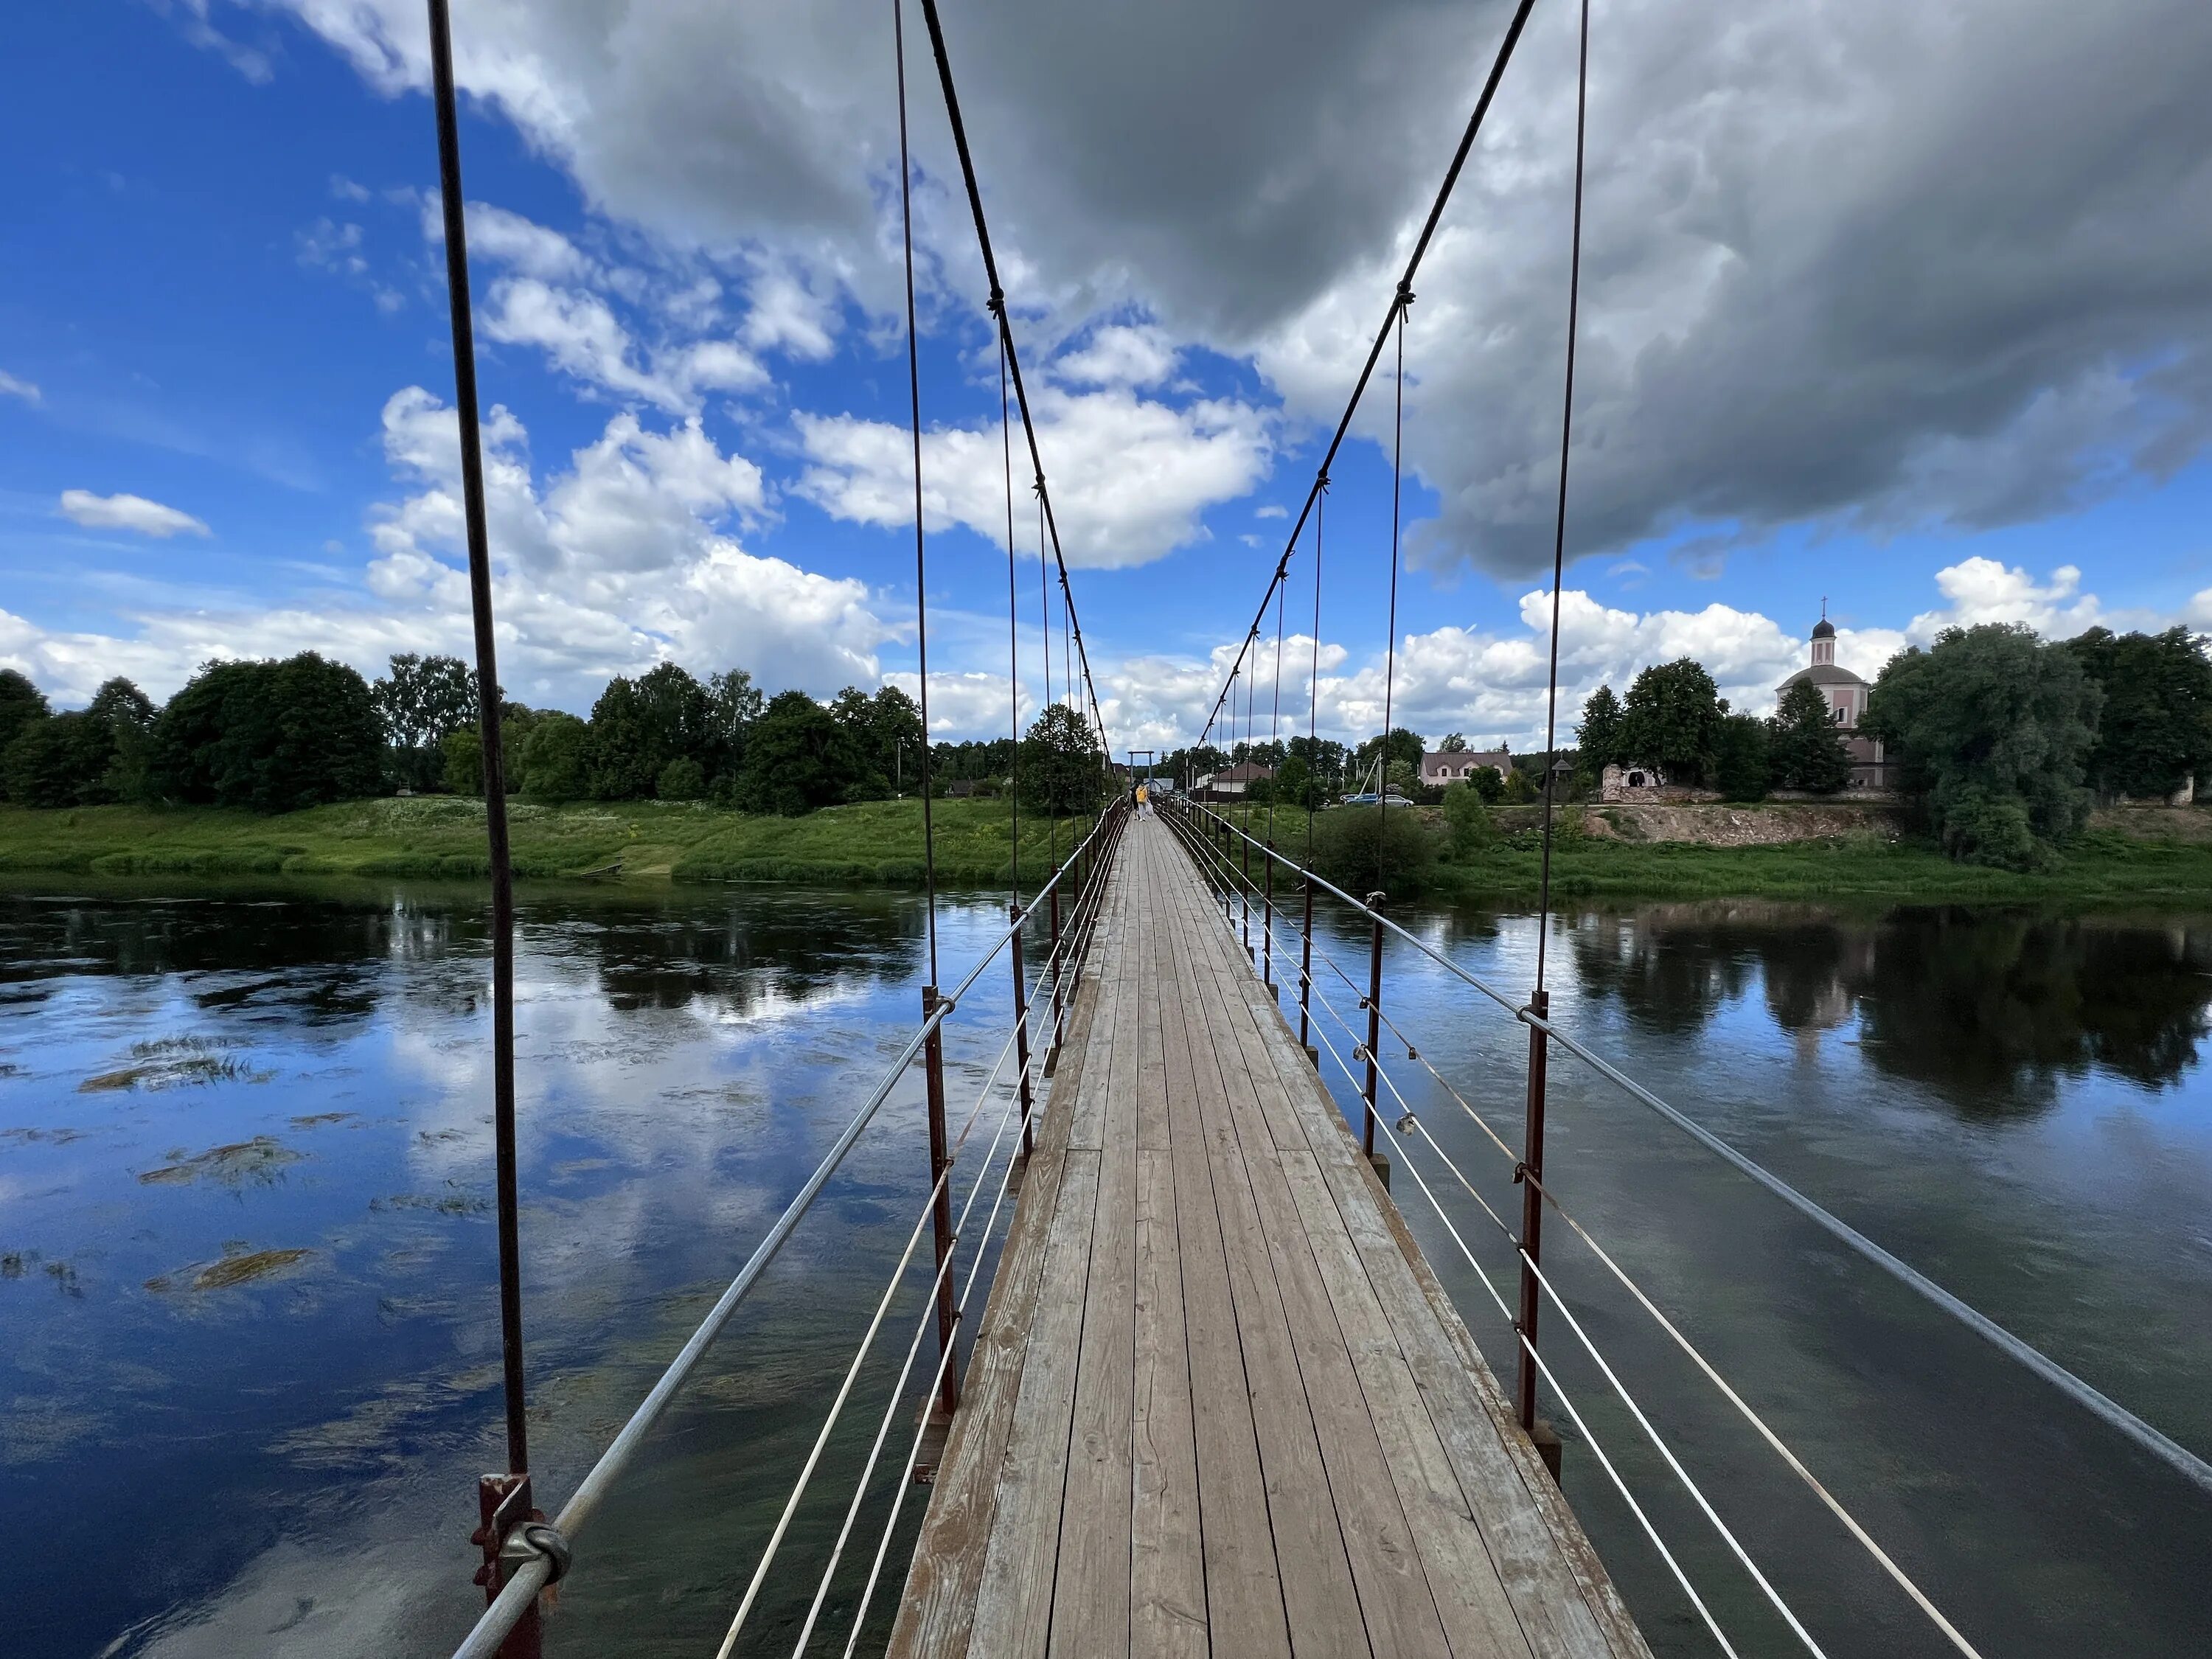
(1144, 801)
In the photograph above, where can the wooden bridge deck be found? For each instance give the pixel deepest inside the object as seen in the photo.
(1218, 1403)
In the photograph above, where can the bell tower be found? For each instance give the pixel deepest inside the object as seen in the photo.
(1824, 638)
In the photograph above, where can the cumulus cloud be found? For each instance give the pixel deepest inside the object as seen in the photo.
(131, 512)
(1130, 477)
(13, 386)
(1121, 355)
(1862, 261)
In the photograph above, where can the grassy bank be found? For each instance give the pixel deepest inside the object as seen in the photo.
(440, 837)
(2102, 867)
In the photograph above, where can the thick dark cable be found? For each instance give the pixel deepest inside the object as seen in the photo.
(1044, 620)
(1390, 644)
(1275, 716)
(921, 561)
(1313, 683)
(1006, 337)
(487, 732)
(1405, 282)
(1560, 523)
(1013, 639)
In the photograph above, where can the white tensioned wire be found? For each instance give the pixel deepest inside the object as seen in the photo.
(1849, 1522)
(898, 1389)
(1604, 1462)
(882, 1306)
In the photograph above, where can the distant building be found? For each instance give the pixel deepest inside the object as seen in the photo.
(1442, 766)
(1234, 781)
(1846, 695)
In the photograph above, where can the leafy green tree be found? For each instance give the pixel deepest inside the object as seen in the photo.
(463, 750)
(1063, 770)
(1454, 743)
(1466, 819)
(1993, 729)
(420, 700)
(1518, 789)
(1671, 720)
(733, 704)
(1397, 745)
(639, 726)
(272, 736)
(1294, 784)
(21, 703)
(1363, 848)
(681, 779)
(797, 758)
(1488, 784)
(1599, 735)
(60, 761)
(552, 757)
(1743, 758)
(1804, 749)
(1402, 777)
(886, 730)
(2155, 730)
(130, 714)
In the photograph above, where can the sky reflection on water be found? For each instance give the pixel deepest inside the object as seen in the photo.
(251, 1356)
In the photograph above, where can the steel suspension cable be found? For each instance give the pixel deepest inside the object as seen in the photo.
(920, 562)
(1391, 641)
(1559, 521)
(1006, 337)
(1513, 30)
(1313, 678)
(1013, 629)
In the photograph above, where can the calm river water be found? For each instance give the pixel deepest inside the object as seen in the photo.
(248, 1333)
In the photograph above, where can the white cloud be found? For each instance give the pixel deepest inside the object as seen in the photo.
(1981, 590)
(512, 240)
(1121, 355)
(11, 387)
(964, 704)
(1130, 477)
(132, 513)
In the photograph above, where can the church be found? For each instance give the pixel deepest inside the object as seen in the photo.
(1846, 694)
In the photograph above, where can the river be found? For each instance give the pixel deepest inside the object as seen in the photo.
(250, 1365)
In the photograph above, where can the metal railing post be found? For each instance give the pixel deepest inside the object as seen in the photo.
(1305, 970)
(1532, 1205)
(503, 1504)
(941, 1207)
(1021, 1025)
(1374, 1025)
(1267, 923)
(1059, 974)
(1244, 892)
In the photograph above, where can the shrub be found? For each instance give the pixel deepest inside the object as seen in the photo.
(1360, 846)
(681, 779)
(1466, 819)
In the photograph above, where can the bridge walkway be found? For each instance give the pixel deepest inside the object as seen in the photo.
(1217, 1402)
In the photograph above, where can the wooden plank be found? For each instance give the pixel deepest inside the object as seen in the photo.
(938, 1605)
(1244, 1601)
(1090, 1593)
(1320, 1595)
(1400, 1609)
(1167, 1588)
(1013, 1603)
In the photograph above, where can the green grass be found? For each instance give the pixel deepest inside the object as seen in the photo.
(2101, 867)
(441, 836)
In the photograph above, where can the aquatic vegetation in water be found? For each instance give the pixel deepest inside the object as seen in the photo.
(238, 1266)
(172, 1062)
(258, 1160)
(452, 1203)
(318, 1118)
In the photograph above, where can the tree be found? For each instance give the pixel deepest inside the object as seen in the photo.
(1993, 729)
(272, 736)
(1466, 817)
(1804, 750)
(420, 701)
(886, 730)
(733, 704)
(1398, 745)
(59, 761)
(130, 714)
(1671, 720)
(464, 773)
(1295, 786)
(1453, 744)
(1599, 735)
(1488, 784)
(22, 703)
(639, 726)
(1063, 770)
(1371, 847)
(681, 779)
(1743, 765)
(797, 758)
(2156, 731)
(552, 757)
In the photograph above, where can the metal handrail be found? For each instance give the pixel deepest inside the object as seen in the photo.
(522, 1589)
(2167, 1450)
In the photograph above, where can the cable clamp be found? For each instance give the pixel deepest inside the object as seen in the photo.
(533, 1540)
(1520, 1171)
(996, 305)
(1406, 1121)
(1405, 294)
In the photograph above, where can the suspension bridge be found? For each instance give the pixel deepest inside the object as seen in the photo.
(1179, 1380)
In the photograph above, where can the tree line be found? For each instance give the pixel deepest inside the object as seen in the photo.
(278, 735)
(2004, 740)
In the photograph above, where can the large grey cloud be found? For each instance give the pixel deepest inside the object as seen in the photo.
(1886, 262)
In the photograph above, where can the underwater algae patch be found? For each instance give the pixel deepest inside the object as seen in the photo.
(170, 1063)
(238, 1266)
(258, 1159)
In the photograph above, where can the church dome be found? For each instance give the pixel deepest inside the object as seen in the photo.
(1823, 630)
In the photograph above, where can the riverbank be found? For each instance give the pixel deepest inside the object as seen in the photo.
(874, 844)
(2132, 857)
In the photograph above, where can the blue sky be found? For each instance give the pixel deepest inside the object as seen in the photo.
(225, 424)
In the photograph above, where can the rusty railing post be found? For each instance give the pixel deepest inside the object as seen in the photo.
(1244, 892)
(1059, 973)
(1532, 1205)
(941, 1207)
(502, 1504)
(1374, 1024)
(1306, 969)
(1021, 1024)
(1267, 923)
